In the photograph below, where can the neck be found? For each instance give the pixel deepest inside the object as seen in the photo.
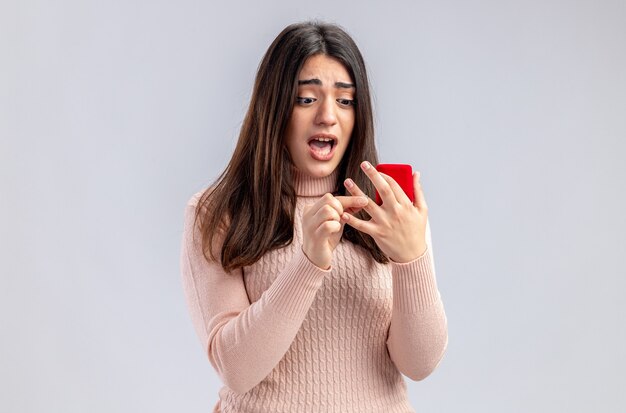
(306, 185)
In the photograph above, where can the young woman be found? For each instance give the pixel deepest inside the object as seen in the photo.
(306, 295)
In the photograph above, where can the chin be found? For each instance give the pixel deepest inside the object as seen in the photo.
(325, 170)
(319, 171)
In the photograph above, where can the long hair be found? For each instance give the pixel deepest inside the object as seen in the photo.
(250, 207)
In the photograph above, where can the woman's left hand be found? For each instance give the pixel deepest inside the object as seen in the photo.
(398, 226)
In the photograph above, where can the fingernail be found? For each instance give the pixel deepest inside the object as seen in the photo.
(349, 183)
(366, 165)
(345, 216)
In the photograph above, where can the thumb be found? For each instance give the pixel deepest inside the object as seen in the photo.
(344, 219)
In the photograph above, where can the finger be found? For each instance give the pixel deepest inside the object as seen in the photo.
(420, 201)
(326, 213)
(353, 188)
(398, 192)
(327, 199)
(359, 224)
(383, 188)
(352, 202)
(371, 208)
(327, 228)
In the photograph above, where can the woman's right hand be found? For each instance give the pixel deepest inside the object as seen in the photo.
(322, 226)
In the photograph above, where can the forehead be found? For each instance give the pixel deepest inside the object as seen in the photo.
(324, 67)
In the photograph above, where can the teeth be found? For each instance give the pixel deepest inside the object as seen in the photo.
(324, 139)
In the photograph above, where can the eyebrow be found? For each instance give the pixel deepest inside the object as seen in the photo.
(341, 85)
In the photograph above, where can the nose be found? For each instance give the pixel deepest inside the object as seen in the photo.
(326, 113)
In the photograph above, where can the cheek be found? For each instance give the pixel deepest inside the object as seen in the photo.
(292, 146)
(293, 126)
(348, 125)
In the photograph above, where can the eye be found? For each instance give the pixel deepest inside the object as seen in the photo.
(346, 102)
(304, 100)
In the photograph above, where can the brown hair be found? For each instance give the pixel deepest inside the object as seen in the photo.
(251, 204)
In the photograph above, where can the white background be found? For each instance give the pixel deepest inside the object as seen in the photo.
(112, 114)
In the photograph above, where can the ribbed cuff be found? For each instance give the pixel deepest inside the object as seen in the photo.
(293, 291)
(414, 284)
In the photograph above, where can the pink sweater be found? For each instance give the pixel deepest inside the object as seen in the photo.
(287, 336)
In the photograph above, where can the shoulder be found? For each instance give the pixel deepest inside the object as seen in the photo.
(201, 205)
(194, 200)
(196, 206)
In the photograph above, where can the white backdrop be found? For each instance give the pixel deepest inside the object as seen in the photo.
(112, 114)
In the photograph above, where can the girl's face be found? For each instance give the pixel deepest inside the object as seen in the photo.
(322, 119)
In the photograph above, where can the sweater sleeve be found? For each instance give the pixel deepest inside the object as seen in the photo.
(418, 334)
(243, 341)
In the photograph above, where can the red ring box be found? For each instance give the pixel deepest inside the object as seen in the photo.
(402, 174)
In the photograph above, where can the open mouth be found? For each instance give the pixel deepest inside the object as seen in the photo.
(322, 146)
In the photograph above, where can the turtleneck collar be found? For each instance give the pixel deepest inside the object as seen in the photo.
(306, 185)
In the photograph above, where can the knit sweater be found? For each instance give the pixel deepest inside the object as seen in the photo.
(287, 336)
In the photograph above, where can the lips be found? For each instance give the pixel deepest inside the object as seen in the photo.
(322, 146)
